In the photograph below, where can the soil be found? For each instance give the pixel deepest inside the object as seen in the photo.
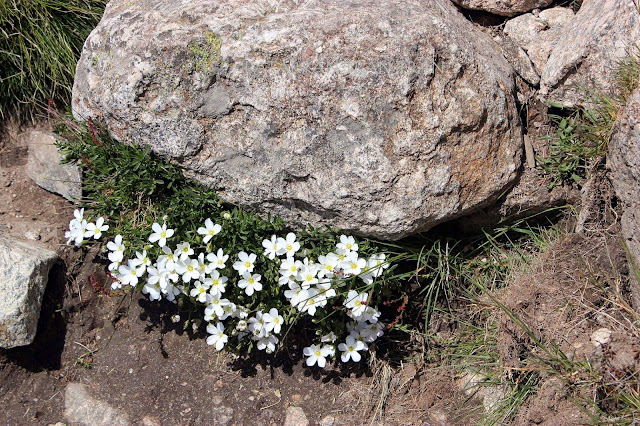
(129, 354)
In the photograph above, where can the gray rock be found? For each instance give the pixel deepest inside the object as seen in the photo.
(295, 417)
(45, 169)
(380, 118)
(602, 32)
(24, 271)
(82, 409)
(538, 34)
(503, 7)
(624, 162)
(518, 59)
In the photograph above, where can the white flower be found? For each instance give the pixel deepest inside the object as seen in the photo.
(312, 301)
(217, 283)
(185, 250)
(256, 326)
(245, 264)
(328, 264)
(209, 230)
(226, 215)
(217, 260)
(153, 290)
(289, 270)
(116, 248)
(267, 344)
(350, 349)
(347, 244)
(316, 354)
(199, 292)
(142, 260)
(217, 338)
(371, 332)
(202, 266)
(168, 259)
(95, 230)
(76, 232)
(78, 214)
(250, 283)
(160, 234)
(307, 276)
(377, 264)
(216, 306)
(273, 321)
(229, 310)
(288, 246)
(188, 269)
(129, 274)
(357, 303)
(295, 294)
(353, 266)
(270, 247)
(328, 338)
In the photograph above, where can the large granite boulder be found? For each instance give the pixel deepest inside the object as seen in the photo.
(381, 118)
(503, 7)
(623, 160)
(24, 271)
(602, 33)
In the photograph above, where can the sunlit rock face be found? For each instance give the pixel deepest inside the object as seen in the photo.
(381, 118)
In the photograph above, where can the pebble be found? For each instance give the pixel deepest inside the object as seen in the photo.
(32, 235)
(296, 417)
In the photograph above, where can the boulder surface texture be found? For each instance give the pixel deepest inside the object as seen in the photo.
(380, 118)
(24, 271)
(623, 160)
(503, 7)
(602, 33)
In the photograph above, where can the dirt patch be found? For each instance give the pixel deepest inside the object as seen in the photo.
(577, 287)
(129, 353)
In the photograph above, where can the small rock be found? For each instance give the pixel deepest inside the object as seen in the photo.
(83, 409)
(328, 421)
(24, 271)
(32, 235)
(295, 417)
(151, 421)
(44, 168)
(601, 336)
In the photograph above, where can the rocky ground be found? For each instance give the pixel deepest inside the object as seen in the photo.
(104, 359)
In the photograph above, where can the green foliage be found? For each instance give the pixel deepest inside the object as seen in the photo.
(40, 43)
(132, 189)
(583, 133)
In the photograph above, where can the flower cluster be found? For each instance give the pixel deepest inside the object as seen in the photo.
(231, 291)
(79, 229)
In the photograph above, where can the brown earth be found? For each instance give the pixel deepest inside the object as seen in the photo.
(130, 355)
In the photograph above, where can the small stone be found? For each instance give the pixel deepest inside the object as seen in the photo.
(328, 421)
(32, 235)
(601, 336)
(295, 417)
(151, 421)
(24, 271)
(45, 169)
(81, 408)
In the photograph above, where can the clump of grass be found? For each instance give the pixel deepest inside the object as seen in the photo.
(583, 133)
(40, 43)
